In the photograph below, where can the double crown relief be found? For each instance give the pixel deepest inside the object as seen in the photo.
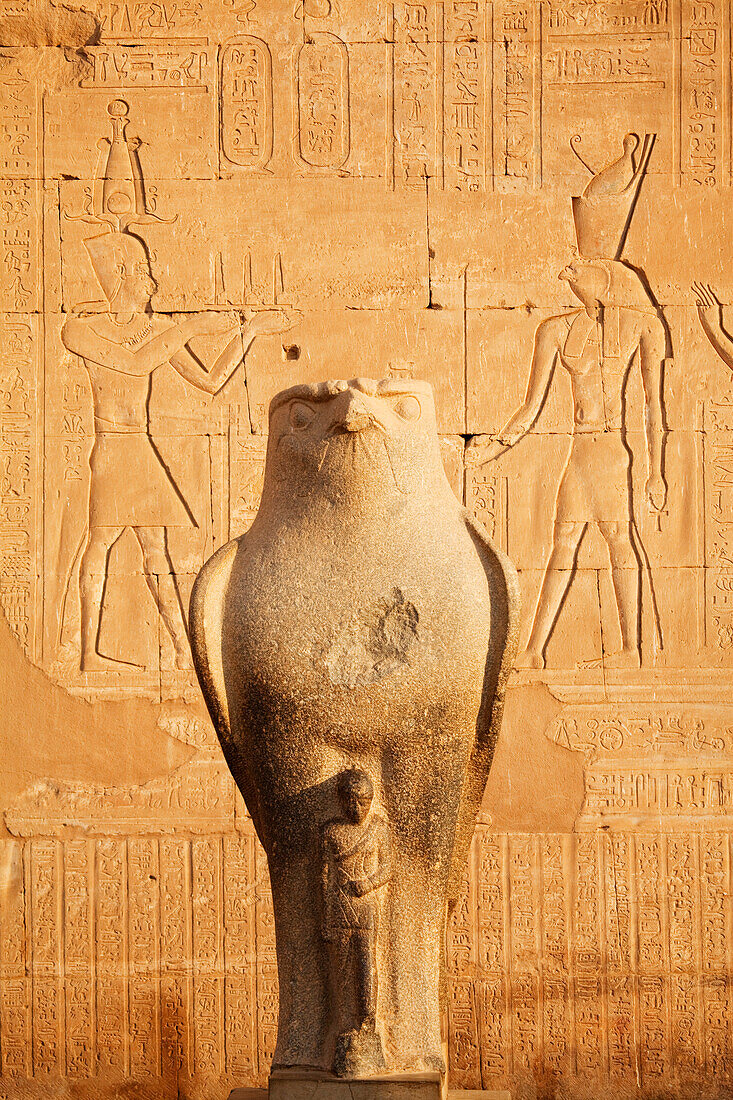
(122, 343)
(619, 322)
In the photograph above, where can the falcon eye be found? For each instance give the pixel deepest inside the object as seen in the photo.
(301, 416)
(408, 408)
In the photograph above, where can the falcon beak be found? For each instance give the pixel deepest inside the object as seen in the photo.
(357, 420)
(353, 417)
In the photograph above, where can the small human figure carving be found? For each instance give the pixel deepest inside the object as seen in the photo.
(710, 312)
(356, 866)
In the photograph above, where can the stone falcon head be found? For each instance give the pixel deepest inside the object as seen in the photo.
(347, 438)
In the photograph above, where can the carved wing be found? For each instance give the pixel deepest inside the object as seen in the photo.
(505, 612)
(205, 628)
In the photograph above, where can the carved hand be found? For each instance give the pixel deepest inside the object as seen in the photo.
(708, 306)
(482, 449)
(512, 432)
(656, 492)
(271, 321)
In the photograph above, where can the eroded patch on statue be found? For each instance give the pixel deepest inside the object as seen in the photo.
(375, 642)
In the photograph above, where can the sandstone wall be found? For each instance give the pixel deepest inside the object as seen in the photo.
(396, 180)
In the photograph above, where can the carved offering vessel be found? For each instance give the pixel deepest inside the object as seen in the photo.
(353, 648)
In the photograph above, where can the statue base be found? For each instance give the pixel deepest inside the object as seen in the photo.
(301, 1085)
(298, 1084)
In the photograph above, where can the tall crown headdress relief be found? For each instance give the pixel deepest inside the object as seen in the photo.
(602, 213)
(118, 196)
(116, 201)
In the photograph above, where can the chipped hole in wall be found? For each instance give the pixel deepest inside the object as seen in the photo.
(291, 351)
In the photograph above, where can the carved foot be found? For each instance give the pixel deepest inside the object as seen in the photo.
(627, 658)
(183, 657)
(531, 658)
(359, 1053)
(95, 662)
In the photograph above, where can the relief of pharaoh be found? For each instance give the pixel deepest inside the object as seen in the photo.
(130, 484)
(353, 648)
(617, 325)
(122, 343)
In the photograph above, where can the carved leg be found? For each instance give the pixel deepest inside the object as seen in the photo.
(555, 583)
(341, 971)
(626, 576)
(365, 943)
(160, 578)
(92, 579)
(359, 1050)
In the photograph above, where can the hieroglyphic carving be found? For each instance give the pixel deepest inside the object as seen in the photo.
(718, 521)
(555, 991)
(653, 997)
(73, 428)
(630, 63)
(112, 1038)
(655, 791)
(715, 875)
(653, 904)
(143, 948)
(208, 986)
(704, 130)
(19, 188)
(123, 18)
(19, 275)
(462, 947)
(267, 987)
(78, 947)
(619, 929)
(17, 472)
(525, 1021)
(487, 496)
(240, 956)
(246, 473)
(464, 95)
(664, 767)
(198, 797)
(246, 127)
(46, 932)
(15, 1007)
(164, 65)
(632, 733)
(414, 107)
(493, 1022)
(322, 112)
(176, 992)
(684, 916)
(587, 16)
(517, 151)
(588, 979)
